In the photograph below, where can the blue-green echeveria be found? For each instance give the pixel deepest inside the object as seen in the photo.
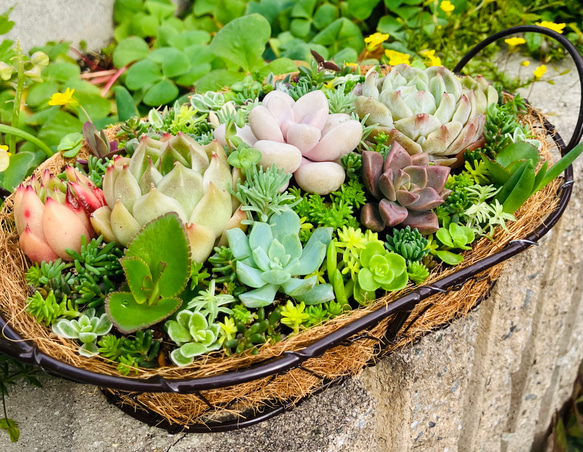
(193, 334)
(271, 258)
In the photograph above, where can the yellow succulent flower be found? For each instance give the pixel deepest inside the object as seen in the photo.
(430, 55)
(397, 57)
(4, 157)
(514, 42)
(525, 63)
(65, 98)
(446, 6)
(540, 71)
(375, 40)
(552, 26)
(350, 64)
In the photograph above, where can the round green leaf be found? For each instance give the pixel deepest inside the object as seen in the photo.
(143, 73)
(41, 93)
(161, 93)
(243, 40)
(129, 50)
(174, 62)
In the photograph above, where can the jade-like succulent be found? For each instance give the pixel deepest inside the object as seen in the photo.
(301, 137)
(271, 258)
(86, 329)
(52, 215)
(407, 188)
(193, 334)
(428, 110)
(174, 174)
(156, 266)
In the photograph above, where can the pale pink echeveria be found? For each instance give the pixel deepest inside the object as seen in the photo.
(301, 137)
(52, 215)
(407, 188)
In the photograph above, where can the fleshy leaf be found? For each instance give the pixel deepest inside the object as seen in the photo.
(138, 277)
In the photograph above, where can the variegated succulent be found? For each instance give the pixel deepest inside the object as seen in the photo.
(407, 188)
(173, 174)
(429, 110)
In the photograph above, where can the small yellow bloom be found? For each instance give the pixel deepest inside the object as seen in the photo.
(540, 71)
(514, 42)
(397, 57)
(350, 64)
(4, 157)
(375, 40)
(525, 63)
(446, 6)
(65, 98)
(430, 55)
(552, 26)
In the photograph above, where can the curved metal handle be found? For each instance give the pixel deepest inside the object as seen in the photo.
(578, 132)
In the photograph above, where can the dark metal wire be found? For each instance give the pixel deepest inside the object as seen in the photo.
(25, 350)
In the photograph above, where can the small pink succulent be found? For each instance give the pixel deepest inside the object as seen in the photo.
(407, 188)
(51, 215)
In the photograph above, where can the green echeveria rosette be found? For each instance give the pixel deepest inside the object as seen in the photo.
(381, 269)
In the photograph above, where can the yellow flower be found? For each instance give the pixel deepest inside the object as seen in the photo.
(65, 98)
(446, 6)
(525, 63)
(397, 57)
(514, 42)
(430, 55)
(375, 40)
(552, 26)
(350, 64)
(4, 157)
(540, 71)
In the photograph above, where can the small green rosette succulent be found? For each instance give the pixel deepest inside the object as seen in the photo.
(193, 334)
(271, 258)
(86, 329)
(381, 269)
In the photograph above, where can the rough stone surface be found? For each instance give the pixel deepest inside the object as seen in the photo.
(65, 20)
(489, 382)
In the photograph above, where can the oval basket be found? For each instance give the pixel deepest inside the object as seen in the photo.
(217, 392)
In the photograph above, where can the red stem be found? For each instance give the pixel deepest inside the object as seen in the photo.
(113, 80)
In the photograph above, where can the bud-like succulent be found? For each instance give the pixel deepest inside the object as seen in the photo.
(301, 137)
(51, 215)
(173, 174)
(407, 188)
(428, 110)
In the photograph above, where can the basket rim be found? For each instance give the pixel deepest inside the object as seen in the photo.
(23, 350)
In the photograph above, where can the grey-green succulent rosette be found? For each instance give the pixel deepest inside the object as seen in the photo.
(248, 216)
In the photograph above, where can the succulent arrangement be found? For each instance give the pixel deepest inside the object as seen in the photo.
(240, 220)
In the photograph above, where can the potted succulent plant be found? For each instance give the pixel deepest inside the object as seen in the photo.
(208, 238)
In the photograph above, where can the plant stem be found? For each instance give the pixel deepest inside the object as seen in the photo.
(17, 96)
(14, 131)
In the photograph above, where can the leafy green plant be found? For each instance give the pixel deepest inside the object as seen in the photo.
(408, 243)
(47, 309)
(293, 315)
(131, 353)
(87, 328)
(455, 237)
(156, 264)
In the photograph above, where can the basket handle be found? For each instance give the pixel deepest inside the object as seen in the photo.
(578, 132)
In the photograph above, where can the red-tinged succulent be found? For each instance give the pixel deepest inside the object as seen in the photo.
(51, 215)
(407, 188)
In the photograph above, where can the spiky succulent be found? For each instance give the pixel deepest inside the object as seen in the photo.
(407, 242)
(407, 188)
(428, 110)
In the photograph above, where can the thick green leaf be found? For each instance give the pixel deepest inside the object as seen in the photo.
(236, 43)
(516, 152)
(521, 191)
(41, 93)
(21, 165)
(304, 8)
(70, 144)
(128, 316)
(362, 9)
(279, 66)
(10, 426)
(346, 55)
(58, 125)
(301, 28)
(444, 237)
(126, 108)
(449, 258)
(325, 15)
(163, 246)
(497, 173)
(161, 93)
(174, 62)
(142, 74)
(508, 186)
(61, 72)
(129, 50)
(159, 9)
(340, 34)
(144, 25)
(188, 38)
(139, 278)
(560, 166)
(218, 79)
